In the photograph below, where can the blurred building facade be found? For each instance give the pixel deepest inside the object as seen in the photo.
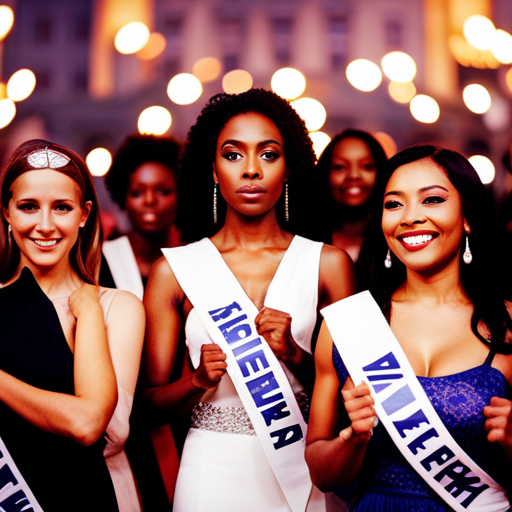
(89, 95)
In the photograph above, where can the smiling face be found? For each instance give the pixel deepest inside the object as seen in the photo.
(422, 218)
(352, 173)
(151, 198)
(249, 164)
(45, 213)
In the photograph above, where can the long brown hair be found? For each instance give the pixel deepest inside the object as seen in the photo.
(85, 256)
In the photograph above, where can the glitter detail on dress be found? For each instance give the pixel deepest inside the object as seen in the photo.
(234, 420)
(228, 420)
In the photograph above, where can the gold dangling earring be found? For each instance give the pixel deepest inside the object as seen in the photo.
(286, 208)
(215, 203)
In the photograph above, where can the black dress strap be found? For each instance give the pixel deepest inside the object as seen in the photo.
(489, 358)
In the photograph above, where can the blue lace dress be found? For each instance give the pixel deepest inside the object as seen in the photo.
(387, 483)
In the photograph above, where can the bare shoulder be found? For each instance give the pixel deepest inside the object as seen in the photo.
(337, 277)
(334, 259)
(163, 287)
(120, 302)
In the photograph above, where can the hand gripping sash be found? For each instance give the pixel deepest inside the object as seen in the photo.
(228, 315)
(15, 494)
(371, 353)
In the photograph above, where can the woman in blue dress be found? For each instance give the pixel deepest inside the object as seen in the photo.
(436, 280)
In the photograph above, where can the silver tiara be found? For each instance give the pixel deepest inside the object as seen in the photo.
(47, 159)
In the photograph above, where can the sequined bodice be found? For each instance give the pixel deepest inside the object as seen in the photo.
(458, 400)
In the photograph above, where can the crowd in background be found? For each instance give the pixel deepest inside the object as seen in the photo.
(142, 407)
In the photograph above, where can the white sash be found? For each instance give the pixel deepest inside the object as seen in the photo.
(15, 494)
(371, 353)
(228, 315)
(123, 265)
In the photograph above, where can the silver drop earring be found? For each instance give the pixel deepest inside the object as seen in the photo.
(467, 256)
(387, 262)
(215, 203)
(286, 209)
(9, 229)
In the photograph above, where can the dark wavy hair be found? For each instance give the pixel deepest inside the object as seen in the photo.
(195, 176)
(482, 278)
(85, 255)
(135, 151)
(330, 210)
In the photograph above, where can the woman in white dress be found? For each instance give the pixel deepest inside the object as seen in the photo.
(252, 154)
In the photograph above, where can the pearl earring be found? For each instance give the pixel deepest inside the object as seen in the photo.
(387, 262)
(467, 256)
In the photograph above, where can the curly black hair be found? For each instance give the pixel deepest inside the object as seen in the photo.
(135, 151)
(483, 279)
(195, 175)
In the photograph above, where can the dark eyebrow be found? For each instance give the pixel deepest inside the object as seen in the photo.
(238, 143)
(424, 189)
(430, 187)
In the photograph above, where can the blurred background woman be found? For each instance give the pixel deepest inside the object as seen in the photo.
(58, 388)
(348, 168)
(436, 259)
(252, 155)
(142, 181)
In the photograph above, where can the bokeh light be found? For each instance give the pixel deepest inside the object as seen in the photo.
(237, 81)
(21, 85)
(154, 120)
(131, 38)
(424, 109)
(289, 83)
(402, 92)
(467, 55)
(502, 47)
(207, 69)
(364, 75)
(477, 98)
(184, 89)
(320, 141)
(497, 118)
(484, 168)
(399, 67)
(99, 161)
(7, 112)
(3, 91)
(153, 48)
(311, 111)
(508, 79)
(387, 142)
(6, 20)
(479, 31)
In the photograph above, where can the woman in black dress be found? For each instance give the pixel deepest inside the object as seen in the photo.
(57, 383)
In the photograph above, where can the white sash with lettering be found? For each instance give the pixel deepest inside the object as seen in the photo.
(228, 315)
(15, 495)
(371, 353)
(123, 265)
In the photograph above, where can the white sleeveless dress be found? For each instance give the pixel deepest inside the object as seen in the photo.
(226, 471)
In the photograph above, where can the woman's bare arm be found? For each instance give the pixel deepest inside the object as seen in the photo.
(335, 457)
(83, 416)
(164, 331)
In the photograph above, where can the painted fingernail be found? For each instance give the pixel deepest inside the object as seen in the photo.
(375, 421)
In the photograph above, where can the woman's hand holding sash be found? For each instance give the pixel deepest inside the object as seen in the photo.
(359, 405)
(212, 366)
(499, 423)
